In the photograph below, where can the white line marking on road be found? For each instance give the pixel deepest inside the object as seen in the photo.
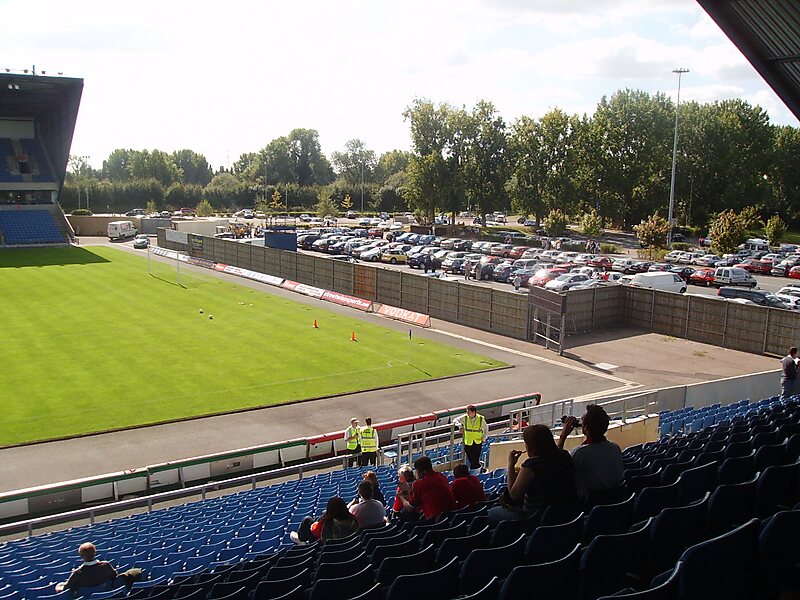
(624, 382)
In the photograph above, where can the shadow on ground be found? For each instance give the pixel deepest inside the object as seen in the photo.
(44, 257)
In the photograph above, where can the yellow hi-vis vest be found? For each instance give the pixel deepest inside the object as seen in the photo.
(352, 444)
(369, 439)
(473, 430)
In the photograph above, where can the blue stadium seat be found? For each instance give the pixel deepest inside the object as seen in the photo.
(554, 579)
(342, 588)
(441, 583)
(722, 567)
(730, 505)
(609, 519)
(392, 567)
(460, 547)
(666, 590)
(608, 558)
(549, 543)
(484, 563)
(777, 561)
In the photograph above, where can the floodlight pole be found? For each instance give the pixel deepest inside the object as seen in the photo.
(362, 184)
(679, 72)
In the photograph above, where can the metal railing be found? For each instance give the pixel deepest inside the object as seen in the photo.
(92, 513)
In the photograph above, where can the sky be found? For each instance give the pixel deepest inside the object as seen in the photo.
(224, 78)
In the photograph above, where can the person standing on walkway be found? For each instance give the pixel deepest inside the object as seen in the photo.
(788, 372)
(475, 430)
(517, 282)
(467, 268)
(352, 436)
(369, 444)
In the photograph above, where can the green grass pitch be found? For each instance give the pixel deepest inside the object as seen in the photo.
(92, 341)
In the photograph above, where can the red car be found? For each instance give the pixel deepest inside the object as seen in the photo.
(752, 265)
(518, 251)
(375, 233)
(542, 276)
(702, 277)
(600, 262)
(794, 273)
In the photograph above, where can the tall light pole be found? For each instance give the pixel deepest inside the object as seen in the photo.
(679, 72)
(362, 185)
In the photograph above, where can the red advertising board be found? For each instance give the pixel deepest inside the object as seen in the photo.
(401, 314)
(346, 300)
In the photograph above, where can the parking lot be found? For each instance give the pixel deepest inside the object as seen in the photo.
(499, 264)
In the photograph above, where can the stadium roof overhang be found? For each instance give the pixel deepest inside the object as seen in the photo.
(767, 32)
(52, 102)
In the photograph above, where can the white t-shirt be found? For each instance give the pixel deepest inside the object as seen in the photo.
(598, 467)
(368, 513)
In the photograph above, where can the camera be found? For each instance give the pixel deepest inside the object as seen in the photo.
(577, 423)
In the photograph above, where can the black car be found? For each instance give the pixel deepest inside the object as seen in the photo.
(415, 260)
(682, 271)
(431, 263)
(307, 241)
(640, 266)
(502, 272)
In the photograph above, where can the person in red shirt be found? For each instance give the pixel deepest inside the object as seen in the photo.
(467, 489)
(430, 493)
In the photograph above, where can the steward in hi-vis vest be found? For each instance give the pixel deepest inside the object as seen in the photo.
(369, 444)
(352, 436)
(475, 430)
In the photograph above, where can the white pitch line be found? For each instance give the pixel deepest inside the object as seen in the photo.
(626, 383)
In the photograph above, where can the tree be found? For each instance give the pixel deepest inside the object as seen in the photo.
(117, 167)
(391, 163)
(592, 224)
(750, 218)
(156, 165)
(726, 232)
(775, 228)
(356, 164)
(193, 166)
(325, 207)
(151, 207)
(555, 223)
(625, 152)
(277, 201)
(479, 149)
(652, 232)
(204, 209)
(347, 202)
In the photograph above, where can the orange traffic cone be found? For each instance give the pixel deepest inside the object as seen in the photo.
(353, 337)
(315, 324)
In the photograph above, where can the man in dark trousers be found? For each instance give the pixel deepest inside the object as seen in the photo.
(789, 372)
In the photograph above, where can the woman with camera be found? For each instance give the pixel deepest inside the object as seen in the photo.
(546, 477)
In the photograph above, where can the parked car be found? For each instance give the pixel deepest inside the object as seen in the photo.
(792, 302)
(611, 276)
(759, 297)
(659, 267)
(672, 257)
(393, 256)
(484, 268)
(781, 269)
(525, 276)
(733, 276)
(666, 282)
(622, 264)
(502, 250)
(707, 260)
(543, 276)
(704, 277)
(640, 266)
(794, 273)
(502, 272)
(601, 262)
(683, 272)
(566, 281)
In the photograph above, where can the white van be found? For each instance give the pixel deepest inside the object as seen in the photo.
(119, 230)
(755, 245)
(659, 280)
(733, 276)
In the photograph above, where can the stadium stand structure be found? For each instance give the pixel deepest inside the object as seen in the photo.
(37, 121)
(723, 523)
